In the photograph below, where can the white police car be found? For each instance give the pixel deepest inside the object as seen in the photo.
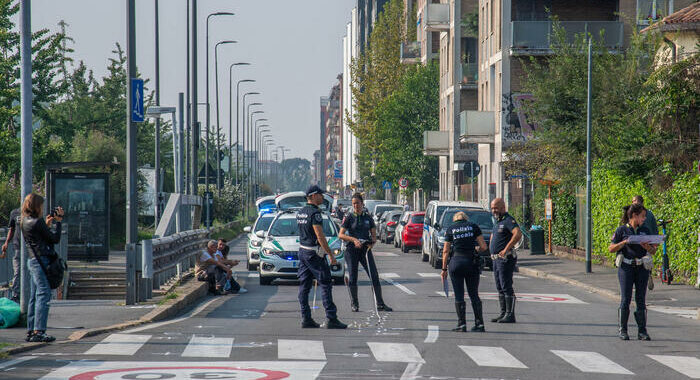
(279, 255)
(262, 223)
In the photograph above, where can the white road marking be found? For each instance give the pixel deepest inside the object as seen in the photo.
(687, 365)
(208, 347)
(520, 277)
(387, 254)
(300, 349)
(119, 344)
(685, 312)
(433, 332)
(388, 279)
(492, 357)
(253, 274)
(184, 317)
(395, 352)
(532, 297)
(411, 372)
(13, 362)
(389, 275)
(429, 275)
(588, 361)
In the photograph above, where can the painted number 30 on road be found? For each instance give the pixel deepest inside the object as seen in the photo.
(181, 373)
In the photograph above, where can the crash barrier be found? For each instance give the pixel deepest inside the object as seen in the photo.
(7, 270)
(159, 261)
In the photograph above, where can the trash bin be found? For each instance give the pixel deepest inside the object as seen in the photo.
(537, 240)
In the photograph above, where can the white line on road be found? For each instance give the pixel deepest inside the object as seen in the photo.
(388, 278)
(119, 344)
(428, 275)
(411, 372)
(492, 357)
(687, 365)
(184, 317)
(588, 361)
(387, 254)
(208, 347)
(14, 362)
(389, 275)
(395, 352)
(433, 332)
(300, 349)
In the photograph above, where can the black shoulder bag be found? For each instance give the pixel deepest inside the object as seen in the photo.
(57, 266)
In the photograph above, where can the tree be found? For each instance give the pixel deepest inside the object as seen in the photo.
(296, 174)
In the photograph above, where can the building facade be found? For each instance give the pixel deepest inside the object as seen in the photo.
(333, 145)
(321, 179)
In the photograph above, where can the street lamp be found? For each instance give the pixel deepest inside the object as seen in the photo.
(249, 171)
(230, 118)
(255, 166)
(218, 125)
(258, 147)
(245, 111)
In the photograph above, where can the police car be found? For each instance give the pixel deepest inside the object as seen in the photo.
(265, 204)
(262, 223)
(279, 254)
(295, 200)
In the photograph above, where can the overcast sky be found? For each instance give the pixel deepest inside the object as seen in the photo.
(295, 48)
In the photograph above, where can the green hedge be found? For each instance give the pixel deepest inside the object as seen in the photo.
(564, 218)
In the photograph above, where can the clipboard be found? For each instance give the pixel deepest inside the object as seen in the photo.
(650, 239)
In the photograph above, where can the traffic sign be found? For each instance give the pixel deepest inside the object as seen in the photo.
(471, 169)
(386, 185)
(137, 112)
(548, 209)
(403, 183)
(338, 169)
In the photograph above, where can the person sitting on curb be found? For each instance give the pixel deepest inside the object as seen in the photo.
(212, 271)
(221, 255)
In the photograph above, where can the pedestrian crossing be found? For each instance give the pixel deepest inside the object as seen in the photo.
(223, 348)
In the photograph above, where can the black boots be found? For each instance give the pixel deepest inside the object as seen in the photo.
(334, 323)
(309, 324)
(478, 317)
(461, 308)
(510, 311)
(623, 315)
(384, 307)
(502, 302)
(354, 303)
(641, 317)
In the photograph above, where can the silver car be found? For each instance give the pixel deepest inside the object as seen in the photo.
(254, 242)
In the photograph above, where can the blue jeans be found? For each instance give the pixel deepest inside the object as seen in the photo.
(39, 296)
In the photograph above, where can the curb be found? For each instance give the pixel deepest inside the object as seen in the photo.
(546, 275)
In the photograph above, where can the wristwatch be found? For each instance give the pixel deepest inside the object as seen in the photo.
(444, 269)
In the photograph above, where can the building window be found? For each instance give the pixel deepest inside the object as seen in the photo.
(653, 10)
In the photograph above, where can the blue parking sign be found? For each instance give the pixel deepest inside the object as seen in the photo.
(137, 112)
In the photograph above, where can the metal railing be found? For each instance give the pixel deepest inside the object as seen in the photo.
(534, 36)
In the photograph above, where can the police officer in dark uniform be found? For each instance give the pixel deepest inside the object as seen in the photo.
(506, 234)
(356, 227)
(631, 270)
(313, 249)
(461, 240)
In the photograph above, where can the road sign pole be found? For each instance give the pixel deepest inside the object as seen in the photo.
(131, 173)
(471, 164)
(589, 224)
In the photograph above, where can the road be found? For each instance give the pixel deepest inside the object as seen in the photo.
(562, 333)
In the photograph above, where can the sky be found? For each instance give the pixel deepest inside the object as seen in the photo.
(294, 47)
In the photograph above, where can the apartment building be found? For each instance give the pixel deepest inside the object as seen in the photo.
(333, 145)
(514, 29)
(321, 164)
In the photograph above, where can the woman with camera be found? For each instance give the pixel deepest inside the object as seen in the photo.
(39, 240)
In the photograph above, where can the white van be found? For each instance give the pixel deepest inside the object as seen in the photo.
(433, 213)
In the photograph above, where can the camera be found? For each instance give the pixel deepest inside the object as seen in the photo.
(54, 212)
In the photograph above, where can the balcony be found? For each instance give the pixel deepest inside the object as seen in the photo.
(477, 127)
(535, 37)
(469, 74)
(410, 52)
(435, 17)
(436, 143)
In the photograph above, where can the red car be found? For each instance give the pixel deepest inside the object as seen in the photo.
(412, 232)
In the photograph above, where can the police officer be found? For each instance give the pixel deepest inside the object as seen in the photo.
(313, 249)
(631, 270)
(461, 240)
(505, 235)
(357, 226)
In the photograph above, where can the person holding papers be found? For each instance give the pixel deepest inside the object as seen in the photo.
(633, 269)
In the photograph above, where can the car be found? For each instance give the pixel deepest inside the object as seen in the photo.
(279, 254)
(399, 228)
(370, 203)
(433, 213)
(481, 217)
(411, 230)
(343, 203)
(380, 208)
(297, 199)
(265, 204)
(387, 226)
(254, 242)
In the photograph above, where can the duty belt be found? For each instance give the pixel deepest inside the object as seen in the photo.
(632, 261)
(509, 253)
(316, 249)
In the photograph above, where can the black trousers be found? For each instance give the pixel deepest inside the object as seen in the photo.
(312, 266)
(356, 257)
(503, 274)
(463, 270)
(629, 276)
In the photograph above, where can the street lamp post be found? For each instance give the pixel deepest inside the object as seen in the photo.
(218, 124)
(249, 172)
(256, 147)
(245, 146)
(230, 120)
(238, 117)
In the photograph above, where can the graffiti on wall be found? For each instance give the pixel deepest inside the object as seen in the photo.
(517, 127)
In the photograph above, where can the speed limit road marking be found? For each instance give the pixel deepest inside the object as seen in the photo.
(272, 370)
(532, 297)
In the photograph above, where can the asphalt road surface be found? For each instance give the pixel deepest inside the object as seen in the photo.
(562, 333)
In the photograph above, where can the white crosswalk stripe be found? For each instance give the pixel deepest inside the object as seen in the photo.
(208, 347)
(587, 361)
(429, 275)
(119, 344)
(485, 356)
(395, 352)
(687, 365)
(300, 349)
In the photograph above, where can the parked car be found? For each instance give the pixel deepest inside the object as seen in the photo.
(370, 203)
(254, 242)
(412, 231)
(265, 204)
(379, 209)
(279, 254)
(480, 217)
(399, 227)
(433, 213)
(387, 226)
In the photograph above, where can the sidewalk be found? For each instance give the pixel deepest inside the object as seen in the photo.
(677, 299)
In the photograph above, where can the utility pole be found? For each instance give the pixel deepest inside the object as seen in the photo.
(131, 171)
(589, 222)
(157, 137)
(193, 105)
(25, 46)
(187, 95)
